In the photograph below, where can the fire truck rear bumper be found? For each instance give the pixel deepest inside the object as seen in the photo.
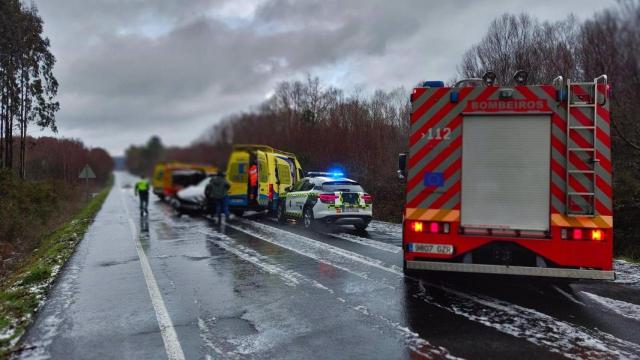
(512, 270)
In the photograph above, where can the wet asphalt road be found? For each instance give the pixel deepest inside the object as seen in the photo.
(255, 289)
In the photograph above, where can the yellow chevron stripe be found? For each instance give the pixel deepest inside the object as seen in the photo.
(432, 214)
(602, 222)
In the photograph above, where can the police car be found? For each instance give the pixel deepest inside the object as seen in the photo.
(327, 198)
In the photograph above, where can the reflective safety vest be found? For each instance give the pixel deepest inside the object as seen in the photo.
(142, 185)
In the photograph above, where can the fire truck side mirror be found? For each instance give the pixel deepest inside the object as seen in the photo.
(402, 166)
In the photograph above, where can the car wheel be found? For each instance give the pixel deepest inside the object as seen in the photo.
(237, 212)
(282, 216)
(177, 212)
(361, 227)
(307, 218)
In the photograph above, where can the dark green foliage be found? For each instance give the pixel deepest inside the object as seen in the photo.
(36, 275)
(27, 210)
(27, 84)
(141, 159)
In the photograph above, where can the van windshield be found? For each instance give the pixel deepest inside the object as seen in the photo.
(343, 186)
(186, 178)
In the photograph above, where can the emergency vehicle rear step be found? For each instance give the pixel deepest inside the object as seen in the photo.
(582, 203)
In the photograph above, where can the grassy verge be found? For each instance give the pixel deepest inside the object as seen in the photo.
(23, 292)
(633, 260)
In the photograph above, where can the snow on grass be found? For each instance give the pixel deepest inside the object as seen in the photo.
(628, 310)
(627, 272)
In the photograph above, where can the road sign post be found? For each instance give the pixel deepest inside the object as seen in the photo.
(87, 174)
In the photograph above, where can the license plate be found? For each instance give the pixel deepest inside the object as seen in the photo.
(350, 210)
(432, 248)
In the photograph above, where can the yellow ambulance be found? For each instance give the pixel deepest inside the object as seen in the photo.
(259, 175)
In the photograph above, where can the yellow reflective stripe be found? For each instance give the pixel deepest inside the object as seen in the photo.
(603, 222)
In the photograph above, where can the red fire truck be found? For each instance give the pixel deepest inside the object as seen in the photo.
(509, 180)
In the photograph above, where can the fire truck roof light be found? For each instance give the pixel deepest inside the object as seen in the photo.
(489, 78)
(520, 77)
(433, 84)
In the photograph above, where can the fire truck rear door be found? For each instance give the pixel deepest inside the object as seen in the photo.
(506, 171)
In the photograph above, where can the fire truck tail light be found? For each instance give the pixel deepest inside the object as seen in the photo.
(583, 234)
(433, 227)
(577, 234)
(597, 235)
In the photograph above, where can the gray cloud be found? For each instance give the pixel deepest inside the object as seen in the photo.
(132, 68)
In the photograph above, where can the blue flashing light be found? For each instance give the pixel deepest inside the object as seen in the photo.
(454, 96)
(336, 173)
(433, 84)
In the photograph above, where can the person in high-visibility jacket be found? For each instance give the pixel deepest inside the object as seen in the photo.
(142, 191)
(253, 181)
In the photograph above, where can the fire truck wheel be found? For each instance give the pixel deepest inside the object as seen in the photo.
(307, 218)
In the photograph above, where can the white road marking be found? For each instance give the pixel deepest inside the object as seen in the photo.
(205, 335)
(169, 337)
(628, 310)
(412, 339)
(368, 242)
(573, 341)
(568, 296)
(344, 253)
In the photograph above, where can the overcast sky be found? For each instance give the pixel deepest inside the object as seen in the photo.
(129, 69)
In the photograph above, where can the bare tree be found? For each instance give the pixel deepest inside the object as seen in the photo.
(515, 42)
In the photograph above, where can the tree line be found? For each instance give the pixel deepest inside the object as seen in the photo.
(27, 84)
(323, 126)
